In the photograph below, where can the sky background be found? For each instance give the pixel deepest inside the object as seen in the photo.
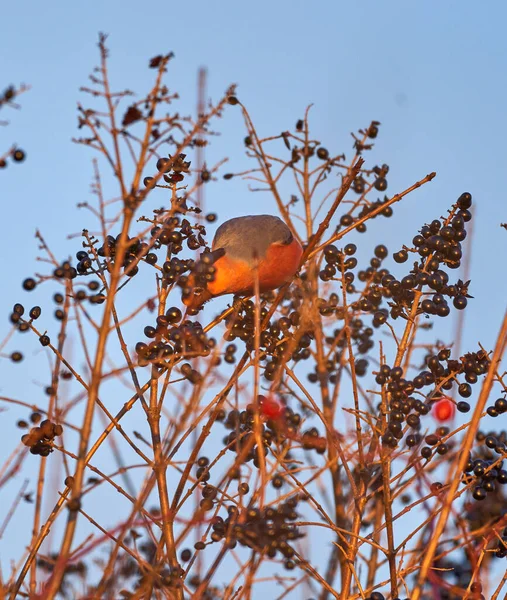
(433, 73)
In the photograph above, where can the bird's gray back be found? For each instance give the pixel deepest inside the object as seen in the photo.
(245, 237)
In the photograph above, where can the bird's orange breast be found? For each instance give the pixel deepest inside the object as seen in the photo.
(235, 276)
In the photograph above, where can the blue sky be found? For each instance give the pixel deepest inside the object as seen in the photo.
(433, 73)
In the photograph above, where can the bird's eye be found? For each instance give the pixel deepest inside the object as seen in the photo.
(288, 240)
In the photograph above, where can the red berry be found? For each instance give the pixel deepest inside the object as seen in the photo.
(270, 408)
(444, 410)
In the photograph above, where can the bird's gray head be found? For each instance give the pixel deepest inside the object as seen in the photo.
(247, 237)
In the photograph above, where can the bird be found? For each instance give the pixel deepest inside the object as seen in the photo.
(244, 248)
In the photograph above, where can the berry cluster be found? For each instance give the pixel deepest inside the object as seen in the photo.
(269, 530)
(202, 273)
(278, 339)
(312, 440)
(173, 232)
(498, 408)
(348, 219)
(40, 438)
(173, 168)
(279, 423)
(35, 418)
(484, 470)
(187, 339)
(18, 311)
(434, 440)
(276, 429)
(337, 261)
(438, 243)
(22, 325)
(230, 353)
(65, 271)
(135, 249)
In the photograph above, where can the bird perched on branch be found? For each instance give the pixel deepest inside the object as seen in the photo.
(245, 248)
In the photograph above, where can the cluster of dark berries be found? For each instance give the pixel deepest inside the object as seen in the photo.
(484, 470)
(84, 265)
(434, 440)
(472, 365)
(275, 352)
(438, 244)
(174, 231)
(230, 353)
(277, 338)
(35, 418)
(169, 234)
(360, 333)
(174, 169)
(373, 294)
(348, 219)
(498, 408)
(188, 338)
(403, 408)
(277, 428)
(18, 311)
(135, 250)
(190, 374)
(360, 186)
(406, 408)
(488, 512)
(65, 271)
(312, 440)
(241, 324)
(269, 530)
(443, 374)
(338, 262)
(202, 273)
(341, 263)
(22, 325)
(441, 242)
(173, 270)
(186, 273)
(40, 438)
